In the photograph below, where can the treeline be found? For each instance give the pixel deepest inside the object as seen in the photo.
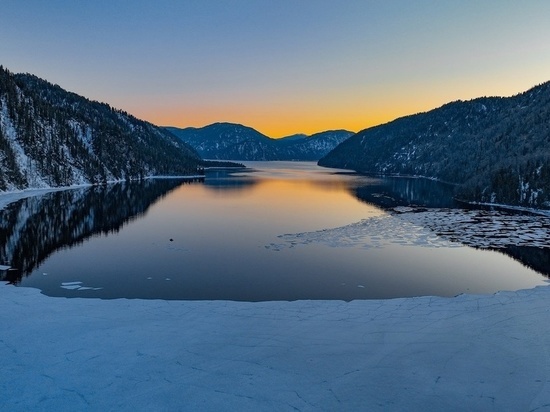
(51, 137)
(494, 149)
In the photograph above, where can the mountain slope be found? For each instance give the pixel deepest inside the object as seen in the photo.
(495, 149)
(227, 141)
(312, 147)
(50, 137)
(230, 141)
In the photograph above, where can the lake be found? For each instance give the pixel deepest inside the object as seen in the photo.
(274, 231)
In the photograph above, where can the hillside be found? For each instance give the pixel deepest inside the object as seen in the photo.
(229, 141)
(50, 137)
(494, 149)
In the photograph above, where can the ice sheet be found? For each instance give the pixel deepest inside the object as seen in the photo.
(417, 354)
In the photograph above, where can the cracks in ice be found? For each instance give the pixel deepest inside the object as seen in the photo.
(483, 229)
(11, 348)
(375, 232)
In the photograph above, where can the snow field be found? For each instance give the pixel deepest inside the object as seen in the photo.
(465, 353)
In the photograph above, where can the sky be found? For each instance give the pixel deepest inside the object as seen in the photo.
(280, 66)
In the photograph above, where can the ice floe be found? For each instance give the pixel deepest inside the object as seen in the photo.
(484, 229)
(76, 286)
(375, 232)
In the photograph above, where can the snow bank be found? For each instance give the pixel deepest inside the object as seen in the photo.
(13, 196)
(465, 353)
(8, 197)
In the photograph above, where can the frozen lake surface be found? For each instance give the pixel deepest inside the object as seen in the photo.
(469, 353)
(278, 231)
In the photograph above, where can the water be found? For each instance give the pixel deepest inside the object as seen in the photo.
(280, 231)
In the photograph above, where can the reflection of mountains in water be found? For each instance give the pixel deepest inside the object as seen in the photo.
(532, 257)
(388, 193)
(226, 180)
(400, 191)
(33, 228)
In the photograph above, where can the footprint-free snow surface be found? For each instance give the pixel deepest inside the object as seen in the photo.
(472, 352)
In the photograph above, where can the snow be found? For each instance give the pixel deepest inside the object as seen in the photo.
(486, 229)
(13, 196)
(23, 161)
(374, 232)
(471, 352)
(8, 197)
(431, 227)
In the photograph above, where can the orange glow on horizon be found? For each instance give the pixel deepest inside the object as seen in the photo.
(354, 112)
(274, 125)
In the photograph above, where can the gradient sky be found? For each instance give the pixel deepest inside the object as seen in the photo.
(280, 66)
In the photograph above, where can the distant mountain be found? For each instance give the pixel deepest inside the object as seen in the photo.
(50, 137)
(313, 147)
(229, 141)
(495, 149)
(294, 137)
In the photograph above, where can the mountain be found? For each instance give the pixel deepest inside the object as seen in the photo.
(494, 149)
(50, 137)
(227, 141)
(312, 147)
(231, 141)
(294, 137)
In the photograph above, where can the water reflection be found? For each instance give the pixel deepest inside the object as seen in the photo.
(35, 227)
(391, 192)
(531, 257)
(228, 180)
(212, 240)
(388, 193)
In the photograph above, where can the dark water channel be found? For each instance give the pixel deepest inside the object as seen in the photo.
(280, 231)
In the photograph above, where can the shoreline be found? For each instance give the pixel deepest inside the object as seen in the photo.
(8, 197)
(542, 212)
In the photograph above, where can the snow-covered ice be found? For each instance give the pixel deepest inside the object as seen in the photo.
(374, 232)
(470, 353)
(77, 286)
(484, 229)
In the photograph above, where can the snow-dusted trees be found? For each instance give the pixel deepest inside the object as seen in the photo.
(51, 137)
(495, 149)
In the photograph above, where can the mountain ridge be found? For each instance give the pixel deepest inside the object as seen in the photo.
(494, 149)
(50, 137)
(233, 141)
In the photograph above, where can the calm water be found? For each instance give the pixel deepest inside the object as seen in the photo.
(282, 231)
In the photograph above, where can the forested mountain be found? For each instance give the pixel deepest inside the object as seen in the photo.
(237, 142)
(227, 141)
(50, 137)
(494, 149)
(311, 147)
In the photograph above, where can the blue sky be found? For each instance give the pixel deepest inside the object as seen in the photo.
(282, 66)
